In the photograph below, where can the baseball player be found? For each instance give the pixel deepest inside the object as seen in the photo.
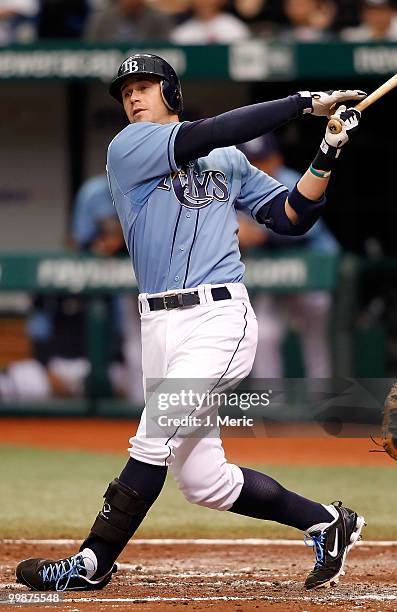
(176, 187)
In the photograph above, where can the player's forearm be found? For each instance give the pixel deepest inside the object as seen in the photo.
(307, 196)
(198, 138)
(312, 188)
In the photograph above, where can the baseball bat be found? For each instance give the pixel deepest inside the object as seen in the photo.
(335, 126)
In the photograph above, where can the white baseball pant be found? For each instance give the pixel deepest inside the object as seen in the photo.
(212, 342)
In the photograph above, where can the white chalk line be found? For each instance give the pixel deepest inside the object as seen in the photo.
(192, 574)
(221, 598)
(196, 542)
(376, 597)
(163, 599)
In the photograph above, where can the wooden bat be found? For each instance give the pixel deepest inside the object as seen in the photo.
(335, 126)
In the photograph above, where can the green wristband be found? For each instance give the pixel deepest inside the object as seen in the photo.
(320, 173)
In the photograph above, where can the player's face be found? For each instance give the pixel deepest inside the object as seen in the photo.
(142, 101)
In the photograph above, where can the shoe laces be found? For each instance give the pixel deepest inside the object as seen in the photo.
(316, 542)
(65, 569)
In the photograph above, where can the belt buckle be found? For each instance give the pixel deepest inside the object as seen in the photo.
(172, 300)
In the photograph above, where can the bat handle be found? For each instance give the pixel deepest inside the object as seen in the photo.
(334, 126)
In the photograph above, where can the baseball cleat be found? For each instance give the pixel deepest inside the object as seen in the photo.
(75, 573)
(331, 543)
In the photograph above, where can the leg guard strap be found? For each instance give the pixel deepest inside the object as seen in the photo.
(121, 510)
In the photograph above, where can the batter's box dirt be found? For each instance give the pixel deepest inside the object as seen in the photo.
(219, 577)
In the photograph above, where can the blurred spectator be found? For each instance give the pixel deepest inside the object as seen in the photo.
(31, 380)
(93, 221)
(309, 20)
(96, 228)
(62, 18)
(128, 21)
(179, 9)
(378, 22)
(256, 15)
(249, 9)
(17, 21)
(308, 312)
(210, 24)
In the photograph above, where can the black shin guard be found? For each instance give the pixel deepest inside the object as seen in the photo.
(119, 514)
(122, 513)
(127, 500)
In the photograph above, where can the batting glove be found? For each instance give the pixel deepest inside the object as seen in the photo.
(321, 103)
(332, 143)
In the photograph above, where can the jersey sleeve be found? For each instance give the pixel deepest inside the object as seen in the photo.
(257, 188)
(141, 152)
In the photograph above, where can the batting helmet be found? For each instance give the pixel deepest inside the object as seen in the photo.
(147, 63)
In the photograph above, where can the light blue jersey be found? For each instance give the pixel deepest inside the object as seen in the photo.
(180, 224)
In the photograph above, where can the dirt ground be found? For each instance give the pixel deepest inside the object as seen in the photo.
(221, 578)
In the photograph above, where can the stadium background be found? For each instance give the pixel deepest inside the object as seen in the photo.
(57, 120)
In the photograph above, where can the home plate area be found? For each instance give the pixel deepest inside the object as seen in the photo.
(221, 575)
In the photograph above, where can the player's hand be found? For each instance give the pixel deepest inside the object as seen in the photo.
(322, 103)
(332, 143)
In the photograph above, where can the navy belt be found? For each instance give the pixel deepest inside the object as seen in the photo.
(181, 300)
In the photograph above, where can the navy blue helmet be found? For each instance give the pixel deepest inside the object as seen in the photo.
(147, 63)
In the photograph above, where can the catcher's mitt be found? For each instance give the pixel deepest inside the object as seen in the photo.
(389, 423)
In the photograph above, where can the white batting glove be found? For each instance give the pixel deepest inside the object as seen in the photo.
(320, 103)
(332, 143)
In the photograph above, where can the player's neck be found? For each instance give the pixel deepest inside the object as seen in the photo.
(169, 119)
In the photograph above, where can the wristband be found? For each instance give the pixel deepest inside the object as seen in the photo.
(329, 150)
(319, 173)
(323, 161)
(306, 102)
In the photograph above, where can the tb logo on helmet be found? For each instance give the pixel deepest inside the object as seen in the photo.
(129, 66)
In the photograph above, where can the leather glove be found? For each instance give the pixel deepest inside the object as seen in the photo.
(321, 103)
(332, 143)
